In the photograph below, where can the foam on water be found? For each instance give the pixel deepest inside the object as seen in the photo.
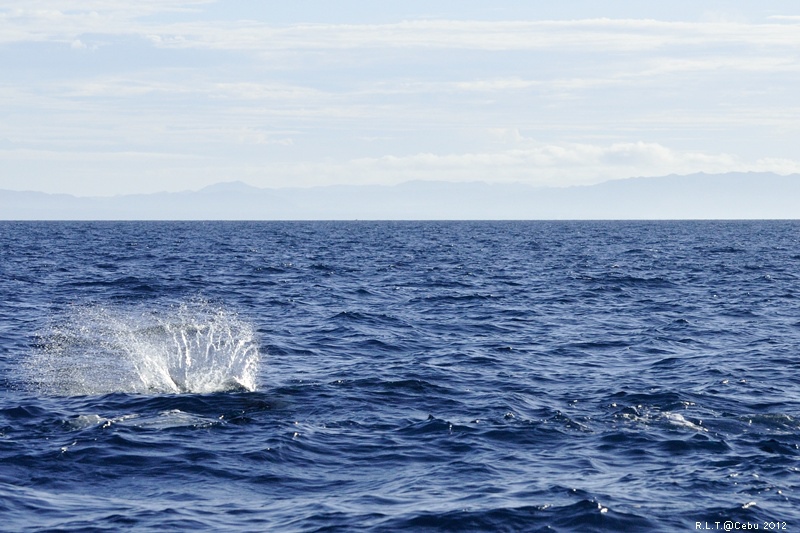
(192, 347)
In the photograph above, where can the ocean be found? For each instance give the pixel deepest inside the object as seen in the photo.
(400, 376)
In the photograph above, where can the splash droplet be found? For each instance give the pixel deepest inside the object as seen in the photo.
(191, 347)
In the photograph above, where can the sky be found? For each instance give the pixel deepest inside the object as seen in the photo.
(104, 97)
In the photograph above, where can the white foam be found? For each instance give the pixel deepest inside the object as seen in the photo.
(679, 420)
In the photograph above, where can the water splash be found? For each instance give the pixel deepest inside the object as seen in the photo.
(192, 347)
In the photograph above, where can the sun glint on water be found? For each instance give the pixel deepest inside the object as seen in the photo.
(192, 347)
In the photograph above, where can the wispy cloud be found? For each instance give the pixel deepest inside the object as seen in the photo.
(541, 164)
(67, 21)
(537, 161)
(165, 93)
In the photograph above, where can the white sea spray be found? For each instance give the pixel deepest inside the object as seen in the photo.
(188, 347)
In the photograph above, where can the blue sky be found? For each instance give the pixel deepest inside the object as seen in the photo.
(100, 97)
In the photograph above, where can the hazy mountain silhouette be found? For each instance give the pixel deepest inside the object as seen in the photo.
(696, 196)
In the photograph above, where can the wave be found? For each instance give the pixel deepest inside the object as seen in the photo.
(191, 347)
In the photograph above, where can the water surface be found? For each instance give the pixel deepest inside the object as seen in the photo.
(389, 376)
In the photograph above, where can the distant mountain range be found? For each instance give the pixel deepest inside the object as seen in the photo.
(696, 196)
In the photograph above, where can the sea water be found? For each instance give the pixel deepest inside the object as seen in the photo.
(400, 376)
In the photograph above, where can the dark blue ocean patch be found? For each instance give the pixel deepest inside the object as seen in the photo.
(438, 376)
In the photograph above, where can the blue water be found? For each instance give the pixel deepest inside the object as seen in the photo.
(406, 376)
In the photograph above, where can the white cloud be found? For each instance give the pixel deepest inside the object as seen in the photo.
(542, 165)
(502, 84)
(551, 102)
(538, 164)
(66, 21)
(760, 63)
(579, 35)
(255, 136)
(784, 18)
(777, 165)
